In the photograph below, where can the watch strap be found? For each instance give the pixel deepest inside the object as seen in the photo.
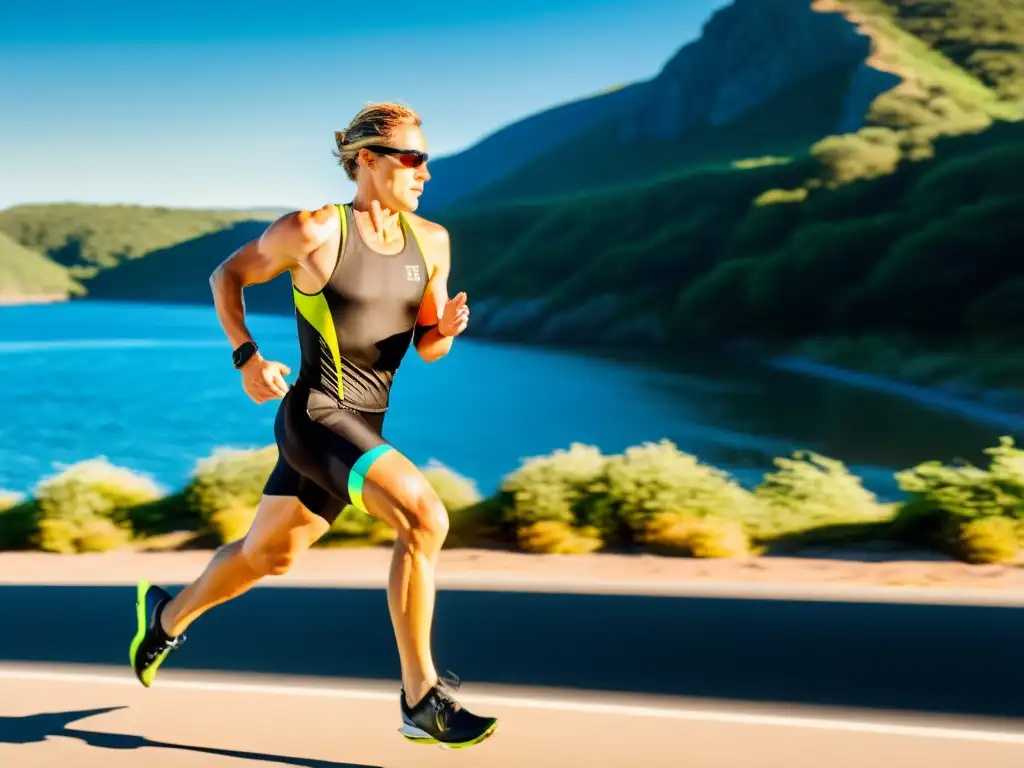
(243, 353)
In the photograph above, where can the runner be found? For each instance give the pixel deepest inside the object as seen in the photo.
(368, 278)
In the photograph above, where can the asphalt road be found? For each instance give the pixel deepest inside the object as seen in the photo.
(930, 658)
(309, 677)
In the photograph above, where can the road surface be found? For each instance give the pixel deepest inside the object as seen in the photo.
(578, 679)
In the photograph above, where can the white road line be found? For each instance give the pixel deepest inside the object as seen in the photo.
(564, 705)
(695, 588)
(698, 588)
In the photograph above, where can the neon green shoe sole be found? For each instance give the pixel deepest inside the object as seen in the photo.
(148, 650)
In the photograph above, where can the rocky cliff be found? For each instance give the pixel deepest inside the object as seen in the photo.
(749, 51)
(751, 54)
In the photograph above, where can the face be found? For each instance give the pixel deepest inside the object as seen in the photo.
(398, 186)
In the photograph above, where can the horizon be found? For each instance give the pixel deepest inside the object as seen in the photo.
(135, 89)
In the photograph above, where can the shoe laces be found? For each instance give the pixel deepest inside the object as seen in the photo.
(165, 645)
(447, 684)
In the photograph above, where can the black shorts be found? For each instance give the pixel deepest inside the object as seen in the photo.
(324, 451)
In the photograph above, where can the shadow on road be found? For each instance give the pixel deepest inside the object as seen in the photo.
(33, 728)
(928, 658)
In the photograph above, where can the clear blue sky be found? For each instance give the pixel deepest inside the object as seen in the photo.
(223, 104)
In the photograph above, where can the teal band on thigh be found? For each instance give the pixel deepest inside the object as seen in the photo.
(358, 473)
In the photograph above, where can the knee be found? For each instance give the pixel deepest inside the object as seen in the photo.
(428, 521)
(268, 559)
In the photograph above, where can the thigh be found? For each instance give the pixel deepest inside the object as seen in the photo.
(284, 523)
(396, 491)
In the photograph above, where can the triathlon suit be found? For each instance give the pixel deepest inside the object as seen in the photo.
(353, 334)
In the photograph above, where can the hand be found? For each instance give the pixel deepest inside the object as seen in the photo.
(455, 317)
(263, 380)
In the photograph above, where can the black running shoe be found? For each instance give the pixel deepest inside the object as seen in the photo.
(440, 719)
(151, 644)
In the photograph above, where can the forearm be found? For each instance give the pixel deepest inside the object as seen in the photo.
(230, 305)
(433, 345)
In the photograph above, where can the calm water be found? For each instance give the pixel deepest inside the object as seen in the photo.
(151, 388)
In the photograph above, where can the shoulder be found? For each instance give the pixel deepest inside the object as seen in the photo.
(303, 231)
(434, 240)
(429, 231)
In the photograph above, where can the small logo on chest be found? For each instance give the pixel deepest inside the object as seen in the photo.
(412, 272)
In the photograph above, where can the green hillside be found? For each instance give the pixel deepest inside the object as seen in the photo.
(26, 274)
(918, 258)
(87, 238)
(180, 273)
(985, 38)
(783, 127)
(957, 66)
(885, 249)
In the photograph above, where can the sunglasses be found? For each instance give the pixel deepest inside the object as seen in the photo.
(410, 158)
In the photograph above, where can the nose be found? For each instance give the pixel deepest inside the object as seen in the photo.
(423, 173)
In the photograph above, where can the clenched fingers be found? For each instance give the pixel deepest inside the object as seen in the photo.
(275, 382)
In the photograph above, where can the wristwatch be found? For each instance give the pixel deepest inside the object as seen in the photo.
(244, 353)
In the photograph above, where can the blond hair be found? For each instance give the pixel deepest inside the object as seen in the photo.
(372, 125)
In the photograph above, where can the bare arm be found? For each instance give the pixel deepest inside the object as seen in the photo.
(284, 245)
(434, 338)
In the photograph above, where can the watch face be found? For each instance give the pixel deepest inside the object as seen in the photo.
(243, 353)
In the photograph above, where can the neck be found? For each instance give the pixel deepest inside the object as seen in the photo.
(364, 199)
(363, 202)
(384, 224)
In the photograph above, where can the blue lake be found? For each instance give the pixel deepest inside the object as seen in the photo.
(151, 387)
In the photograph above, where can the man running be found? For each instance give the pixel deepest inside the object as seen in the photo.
(368, 278)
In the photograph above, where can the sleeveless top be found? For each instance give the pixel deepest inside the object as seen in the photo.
(355, 331)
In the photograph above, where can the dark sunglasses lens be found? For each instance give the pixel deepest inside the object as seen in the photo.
(410, 160)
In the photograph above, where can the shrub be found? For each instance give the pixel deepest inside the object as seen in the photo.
(476, 525)
(228, 479)
(88, 507)
(714, 537)
(549, 487)
(94, 488)
(657, 477)
(1007, 470)
(554, 537)
(381, 533)
(455, 491)
(351, 522)
(810, 491)
(776, 196)
(849, 157)
(473, 520)
(673, 533)
(165, 515)
(18, 526)
(966, 491)
(942, 499)
(232, 523)
(353, 527)
(986, 540)
(88, 534)
(895, 110)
